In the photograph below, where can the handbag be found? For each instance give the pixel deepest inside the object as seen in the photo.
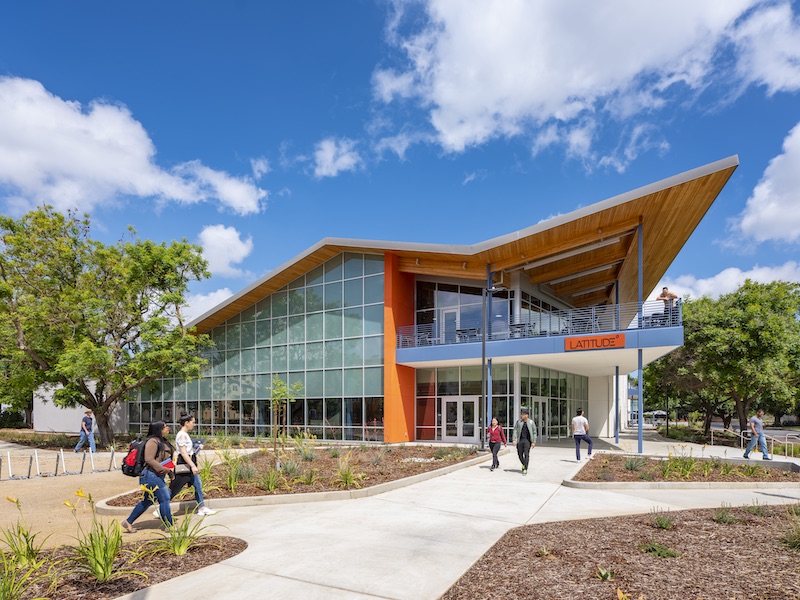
(183, 469)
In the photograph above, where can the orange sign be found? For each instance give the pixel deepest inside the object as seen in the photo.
(594, 342)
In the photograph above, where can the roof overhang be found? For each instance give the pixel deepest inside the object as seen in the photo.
(580, 257)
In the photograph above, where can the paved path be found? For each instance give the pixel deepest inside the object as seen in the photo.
(415, 542)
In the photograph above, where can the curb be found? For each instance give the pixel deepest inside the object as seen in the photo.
(104, 509)
(678, 485)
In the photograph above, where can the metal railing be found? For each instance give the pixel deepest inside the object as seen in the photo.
(788, 441)
(579, 321)
(34, 465)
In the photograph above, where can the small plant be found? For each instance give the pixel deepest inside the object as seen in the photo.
(634, 463)
(16, 580)
(793, 509)
(303, 445)
(310, 477)
(346, 476)
(666, 467)
(623, 596)
(270, 480)
(604, 574)
(375, 459)
(181, 536)
(659, 550)
(605, 474)
(726, 468)
(707, 468)
(724, 515)
(756, 509)
(543, 552)
(334, 452)
(21, 541)
(290, 468)
(748, 470)
(646, 476)
(662, 519)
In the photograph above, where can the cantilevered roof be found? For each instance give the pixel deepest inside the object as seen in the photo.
(578, 257)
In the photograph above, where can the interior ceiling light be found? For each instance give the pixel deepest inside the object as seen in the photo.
(569, 253)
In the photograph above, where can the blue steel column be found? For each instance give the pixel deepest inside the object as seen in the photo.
(641, 392)
(616, 406)
(488, 392)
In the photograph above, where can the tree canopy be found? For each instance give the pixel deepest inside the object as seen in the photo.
(101, 320)
(741, 351)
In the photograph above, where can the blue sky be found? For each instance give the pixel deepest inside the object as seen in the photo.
(258, 128)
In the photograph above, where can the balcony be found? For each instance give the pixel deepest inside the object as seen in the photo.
(579, 321)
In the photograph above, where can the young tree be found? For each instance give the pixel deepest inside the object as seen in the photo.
(100, 320)
(280, 396)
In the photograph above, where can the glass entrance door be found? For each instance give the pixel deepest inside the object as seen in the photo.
(460, 419)
(539, 416)
(448, 319)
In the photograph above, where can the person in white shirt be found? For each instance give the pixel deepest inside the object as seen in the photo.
(580, 431)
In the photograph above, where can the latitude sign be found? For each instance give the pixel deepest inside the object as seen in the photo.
(594, 342)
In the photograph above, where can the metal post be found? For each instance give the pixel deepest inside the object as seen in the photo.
(58, 460)
(640, 285)
(616, 406)
(483, 363)
(641, 405)
(30, 466)
(489, 392)
(83, 462)
(36, 457)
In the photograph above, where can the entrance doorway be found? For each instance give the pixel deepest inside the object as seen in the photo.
(539, 416)
(460, 419)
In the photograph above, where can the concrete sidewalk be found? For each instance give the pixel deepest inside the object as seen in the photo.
(415, 542)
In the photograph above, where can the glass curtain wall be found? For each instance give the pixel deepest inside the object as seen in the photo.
(562, 393)
(324, 330)
(454, 312)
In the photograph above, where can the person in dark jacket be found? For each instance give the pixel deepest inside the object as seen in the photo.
(525, 438)
(496, 436)
(158, 464)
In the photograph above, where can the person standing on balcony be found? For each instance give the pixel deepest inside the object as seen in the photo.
(496, 436)
(669, 299)
(580, 432)
(525, 438)
(757, 435)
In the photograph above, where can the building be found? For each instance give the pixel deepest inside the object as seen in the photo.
(389, 339)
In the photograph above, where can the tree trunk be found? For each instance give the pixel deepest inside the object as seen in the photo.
(104, 429)
(726, 420)
(707, 422)
(741, 412)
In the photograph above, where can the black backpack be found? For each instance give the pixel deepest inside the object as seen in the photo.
(133, 463)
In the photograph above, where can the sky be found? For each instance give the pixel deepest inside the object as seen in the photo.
(255, 129)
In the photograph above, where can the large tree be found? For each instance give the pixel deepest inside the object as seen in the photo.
(101, 320)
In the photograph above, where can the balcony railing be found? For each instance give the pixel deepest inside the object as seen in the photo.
(596, 319)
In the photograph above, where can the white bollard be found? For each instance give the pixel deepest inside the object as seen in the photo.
(91, 459)
(36, 455)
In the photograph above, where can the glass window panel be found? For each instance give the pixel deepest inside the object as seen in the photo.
(333, 383)
(191, 389)
(314, 383)
(373, 263)
(297, 283)
(298, 378)
(373, 350)
(426, 382)
(500, 380)
(314, 298)
(333, 412)
(249, 313)
(314, 329)
(263, 309)
(297, 302)
(248, 386)
(333, 295)
(471, 381)
(263, 362)
(279, 330)
(471, 316)
(353, 352)
(315, 416)
(218, 363)
(218, 388)
(166, 386)
(373, 289)
(279, 358)
(373, 381)
(263, 333)
(447, 379)
(297, 356)
(314, 355)
(424, 317)
(353, 265)
(426, 418)
(333, 269)
(373, 319)
(353, 292)
(279, 305)
(470, 295)
(333, 324)
(353, 322)
(233, 388)
(218, 336)
(553, 383)
(314, 276)
(562, 385)
(426, 293)
(232, 362)
(298, 412)
(353, 412)
(297, 329)
(263, 385)
(373, 412)
(248, 334)
(447, 295)
(248, 361)
(204, 389)
(353, 382)
(333, 353)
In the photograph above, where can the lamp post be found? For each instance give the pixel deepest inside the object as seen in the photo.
(484, 416)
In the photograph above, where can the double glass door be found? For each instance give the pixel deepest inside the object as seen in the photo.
(460, 419)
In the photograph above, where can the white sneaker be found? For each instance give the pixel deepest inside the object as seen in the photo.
(204, 511)
(590, 457)
(156, 514)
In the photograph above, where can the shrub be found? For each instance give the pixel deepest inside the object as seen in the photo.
(792, 536)
(604, 574)
(662, 520)
(634, 463)
(21, 541)
(11, 419)
(270, 480)
(724, 515)
(346, 476)
(659, 550)
(748, 470)
(180, 537)
(756, 509)
(334, 452)
(290, 468)
(303, 445)
(646, 476)
(15, 579)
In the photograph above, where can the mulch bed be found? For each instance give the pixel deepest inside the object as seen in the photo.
(157, 568)
(716, 561)
(615, 467)
(377, 464)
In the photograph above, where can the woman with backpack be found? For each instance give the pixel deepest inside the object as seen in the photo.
(157, 465)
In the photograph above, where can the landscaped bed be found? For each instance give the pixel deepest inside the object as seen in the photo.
(305, 468)
(680, 467)
(710, 554)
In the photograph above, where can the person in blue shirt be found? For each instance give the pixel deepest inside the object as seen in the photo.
(86, 433)
(757, 435)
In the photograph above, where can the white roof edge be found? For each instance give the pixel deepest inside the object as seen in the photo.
(672, 181)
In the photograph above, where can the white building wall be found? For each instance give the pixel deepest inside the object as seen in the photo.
(601, 406)
(47, 417)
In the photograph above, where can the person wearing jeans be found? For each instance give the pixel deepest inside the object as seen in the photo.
(757, 435)
(157, 465)
(580, 432)
(86, 433)
(496, 436)
(525, 438)
(188, 457)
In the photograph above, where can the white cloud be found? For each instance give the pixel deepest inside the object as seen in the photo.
(773, 209)
(59, 152)
(199, 304)
(332, 157)
(728, 281)
(260, 167)
(223, 248)
(484, 69)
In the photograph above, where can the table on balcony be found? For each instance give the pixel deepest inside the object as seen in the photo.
(468, 334)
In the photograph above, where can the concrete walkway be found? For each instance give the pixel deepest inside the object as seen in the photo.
(415, 542)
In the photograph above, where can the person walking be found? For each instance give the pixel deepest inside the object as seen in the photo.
(86, 432)
(525, 439)
(580, 432)
(496, 436)
(756, 425)
(187, 455)
(157, 465)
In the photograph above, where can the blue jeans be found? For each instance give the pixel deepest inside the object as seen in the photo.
(161, 493)
(194, 480)
(585, 437)
(83, 439)
(761, 441)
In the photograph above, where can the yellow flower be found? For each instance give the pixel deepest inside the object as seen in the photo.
(12, 499)
(81, 494)
(69, 504)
